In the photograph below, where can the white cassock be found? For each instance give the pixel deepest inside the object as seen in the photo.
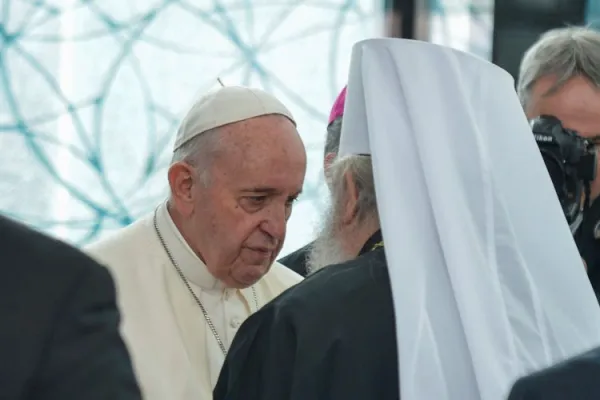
(486, 278)
(174, 352)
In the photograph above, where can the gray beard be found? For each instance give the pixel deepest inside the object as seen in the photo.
(326, 249)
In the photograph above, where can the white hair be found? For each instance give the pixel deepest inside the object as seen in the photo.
(564, 53)
(360, 169)
(327, 248)
(199, 152)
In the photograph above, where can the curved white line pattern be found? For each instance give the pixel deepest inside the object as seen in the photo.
(91, 93)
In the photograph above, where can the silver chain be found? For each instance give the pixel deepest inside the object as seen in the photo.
(187, 284)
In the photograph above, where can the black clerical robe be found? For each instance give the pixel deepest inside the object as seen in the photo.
(331, 337)
(575, 379)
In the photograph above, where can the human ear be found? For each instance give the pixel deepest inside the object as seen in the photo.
(327, 161)
(350, 200)
(181, 183)
(329, 157)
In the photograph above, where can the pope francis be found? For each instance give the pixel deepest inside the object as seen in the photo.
(192, 271)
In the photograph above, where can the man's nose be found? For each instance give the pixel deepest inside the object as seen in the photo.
(275, 222)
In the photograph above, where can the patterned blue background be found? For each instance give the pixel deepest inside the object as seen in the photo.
(593, 13)
(91, 92)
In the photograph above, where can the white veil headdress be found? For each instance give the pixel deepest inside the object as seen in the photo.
(486, 279)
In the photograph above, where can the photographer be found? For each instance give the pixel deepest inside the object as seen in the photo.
(560, 77)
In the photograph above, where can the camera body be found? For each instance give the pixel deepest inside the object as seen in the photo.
(571, 162)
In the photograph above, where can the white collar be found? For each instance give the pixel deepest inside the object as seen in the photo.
(187, 260)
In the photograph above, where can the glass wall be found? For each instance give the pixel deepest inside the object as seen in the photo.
(466, 25)
(91, 94)
(593, 13)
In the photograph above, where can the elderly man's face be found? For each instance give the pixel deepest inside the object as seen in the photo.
(239, 217)
(576, 104)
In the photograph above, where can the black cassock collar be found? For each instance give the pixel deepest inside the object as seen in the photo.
(374, 242)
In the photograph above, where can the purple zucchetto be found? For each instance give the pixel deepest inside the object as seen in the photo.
(338, 107)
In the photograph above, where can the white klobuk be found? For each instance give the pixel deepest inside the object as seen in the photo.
(486, 278)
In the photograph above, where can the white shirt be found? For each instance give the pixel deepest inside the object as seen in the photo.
(175, 354)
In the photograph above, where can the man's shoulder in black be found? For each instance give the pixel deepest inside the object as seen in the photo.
(335, 284)
(575, 378)
(331, 336)
(60, 329)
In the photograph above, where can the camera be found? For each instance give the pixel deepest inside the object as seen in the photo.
(571, 162)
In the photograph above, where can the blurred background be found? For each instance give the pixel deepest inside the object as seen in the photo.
(91, 92)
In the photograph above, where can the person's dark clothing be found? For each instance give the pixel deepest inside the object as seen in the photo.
(331, 337)
(574, 379)
(588, 243)
(297, 261)
(59, 336)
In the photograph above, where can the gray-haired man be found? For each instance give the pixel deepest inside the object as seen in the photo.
(560, 76)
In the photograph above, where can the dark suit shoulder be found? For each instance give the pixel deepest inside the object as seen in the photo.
(575, 378)
(35, 251)
(39, 273)
(340, 283)
(60, 322)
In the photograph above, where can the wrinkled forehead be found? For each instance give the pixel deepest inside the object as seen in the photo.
(260, 150)
(576, 103)
(266, 136)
